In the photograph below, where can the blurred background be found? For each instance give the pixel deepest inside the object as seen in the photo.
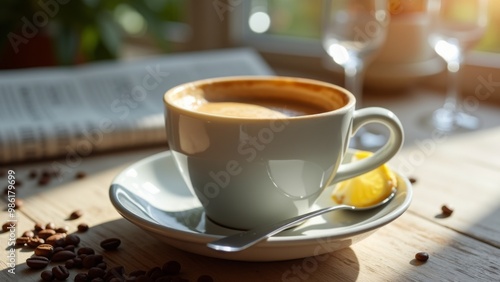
(287, 33)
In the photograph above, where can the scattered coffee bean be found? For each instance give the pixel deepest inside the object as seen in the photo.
(83, 227)
(446, 210)
(171, 267)
(33, 174)
(80, 175)
(38, 227)
(78, 262)
(70, 247)
(47, 275)
(70, 263)
(86, 251)
(35, 242)
(58, 249)
(60, 272)
(50, 225)
(62, 229)
(422, 256)
(63, 256)
(37, 262)
(21, 241)
(154, 273)
(96, 272)
(46, 233)
(8, 225)
(28, 233)
(72, 239)
(57, 239)
(102, 265)
(76, 214)
(412, 180)
(44, 250)
(110, 244)
(137, 273)
(81, 277)
(44, 180)
(91, 261)
(117, 272)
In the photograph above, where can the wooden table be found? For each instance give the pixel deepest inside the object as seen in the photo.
(462, 171)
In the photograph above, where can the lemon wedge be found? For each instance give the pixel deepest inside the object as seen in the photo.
(367, 189)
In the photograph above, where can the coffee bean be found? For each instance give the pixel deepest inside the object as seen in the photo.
(44, 250)
(63, 256)
(62, 229)
(137, 273)
(58, 239)
(50, 225)
(35, 242)
(96, 272)
(92, 260)
(110, 244)
(72, 239)
(412, 180)
(33, 174)
(70, 263)
(47, 275)
(83, 227)
(7, 225)
(102, 265)
(70, 248)
(205, 278)
(446, 210)
(37, 262)
(116, 272)
(21, 241)
(154, 273)
(422, 256)
(44, 180)
(171, 267)
(86, 251)
(60, 272)
(76, 214)
(58, 249)
(81, 277)
(78, 262)
(80, 175)
(46, 233)
(38, 227)
(28, 233)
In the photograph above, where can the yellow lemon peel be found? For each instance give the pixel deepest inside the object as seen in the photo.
(367, 189)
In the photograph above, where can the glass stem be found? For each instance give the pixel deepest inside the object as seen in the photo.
(453, 93)
(354, 80)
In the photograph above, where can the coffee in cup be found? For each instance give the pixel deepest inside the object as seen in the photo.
(257, 150)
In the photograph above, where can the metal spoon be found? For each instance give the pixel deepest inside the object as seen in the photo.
(245, 239)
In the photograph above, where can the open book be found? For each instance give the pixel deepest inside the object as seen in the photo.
(64, 111)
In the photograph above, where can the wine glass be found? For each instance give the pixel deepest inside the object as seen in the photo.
(353, 30)
(456, 26)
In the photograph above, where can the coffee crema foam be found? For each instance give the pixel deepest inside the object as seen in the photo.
(241, 110)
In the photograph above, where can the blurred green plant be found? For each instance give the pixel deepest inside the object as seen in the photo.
(86, 30)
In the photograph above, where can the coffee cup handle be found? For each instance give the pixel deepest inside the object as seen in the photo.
(384, 154)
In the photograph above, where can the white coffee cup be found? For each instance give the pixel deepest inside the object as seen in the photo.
(250, 166)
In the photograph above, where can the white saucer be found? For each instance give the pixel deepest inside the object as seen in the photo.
(151, 194)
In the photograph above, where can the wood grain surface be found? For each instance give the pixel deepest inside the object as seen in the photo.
(461, 172)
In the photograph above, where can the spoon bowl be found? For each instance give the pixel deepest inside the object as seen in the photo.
(243, 240)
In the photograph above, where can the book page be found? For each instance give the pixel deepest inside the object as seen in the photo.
(52, 112)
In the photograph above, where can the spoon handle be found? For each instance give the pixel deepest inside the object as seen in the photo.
(243, 240)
